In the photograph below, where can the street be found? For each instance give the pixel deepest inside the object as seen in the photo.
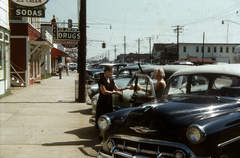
(44, 121)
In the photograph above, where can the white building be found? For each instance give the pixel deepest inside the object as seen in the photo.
(222, 52)
(5, 82)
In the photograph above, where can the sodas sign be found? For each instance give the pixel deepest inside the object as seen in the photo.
(30, 3)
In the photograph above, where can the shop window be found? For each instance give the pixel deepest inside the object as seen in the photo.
(6, 38)
(1, 36)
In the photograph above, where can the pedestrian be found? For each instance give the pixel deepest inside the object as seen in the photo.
(67, 68)
(106, 86)
(60, 68)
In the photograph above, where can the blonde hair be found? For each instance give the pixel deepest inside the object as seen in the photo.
(160, 71)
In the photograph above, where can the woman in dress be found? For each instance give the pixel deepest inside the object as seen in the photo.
(106, 86)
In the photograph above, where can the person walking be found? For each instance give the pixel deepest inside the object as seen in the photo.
(106, 86)
(67, 68)
(60, 68)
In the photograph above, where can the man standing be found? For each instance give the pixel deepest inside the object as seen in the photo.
(60, 68)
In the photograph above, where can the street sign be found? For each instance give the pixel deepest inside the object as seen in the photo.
(66, 33)
(28, 3)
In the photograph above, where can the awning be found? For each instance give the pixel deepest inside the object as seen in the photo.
(58, 53)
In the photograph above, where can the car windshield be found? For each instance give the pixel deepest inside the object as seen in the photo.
(222, 85)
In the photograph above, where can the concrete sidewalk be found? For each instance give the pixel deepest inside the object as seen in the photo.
(44, 121)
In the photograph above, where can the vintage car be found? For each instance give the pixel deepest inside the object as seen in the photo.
(198, 116)
(121, 80)
(94, 71)
(127, 94)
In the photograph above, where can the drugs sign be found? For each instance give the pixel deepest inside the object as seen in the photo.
(65, 33)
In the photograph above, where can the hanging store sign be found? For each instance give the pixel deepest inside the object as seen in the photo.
(67, 43)
(30, 3)
(29, 12)
(66, 33)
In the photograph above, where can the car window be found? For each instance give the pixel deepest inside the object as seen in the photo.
(199, 84)
(144, 83)
(177, 85)
(223, 81)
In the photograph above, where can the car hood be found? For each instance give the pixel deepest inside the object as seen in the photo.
(179, 112)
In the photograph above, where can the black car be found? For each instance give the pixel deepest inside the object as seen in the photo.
(197, 117)
(73, 66)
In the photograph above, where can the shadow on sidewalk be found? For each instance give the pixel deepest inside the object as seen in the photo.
(83, 112)
(91, 145)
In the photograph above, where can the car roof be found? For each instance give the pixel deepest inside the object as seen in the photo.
(110, 64)
(166, 68)
(226, 69)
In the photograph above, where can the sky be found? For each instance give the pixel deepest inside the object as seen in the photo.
(111, 20)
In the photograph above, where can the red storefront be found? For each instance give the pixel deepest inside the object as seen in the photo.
(27, 48)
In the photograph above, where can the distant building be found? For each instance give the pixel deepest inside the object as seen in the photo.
(194, 52)
(133, 57)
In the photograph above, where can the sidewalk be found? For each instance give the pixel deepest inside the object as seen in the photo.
(44, 121)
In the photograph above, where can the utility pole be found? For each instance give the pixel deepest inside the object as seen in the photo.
(150, 51)
(115, 51)
(203, 47)
(124, 48)
(138, 49)
(177, 30)
(82, 53)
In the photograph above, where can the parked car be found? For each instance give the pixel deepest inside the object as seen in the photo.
(197, 119)
(121, 80)
(127, 99)
(94, 71)
(73, 66)
(117, 67)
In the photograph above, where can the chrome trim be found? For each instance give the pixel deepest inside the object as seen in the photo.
(228, 142)
(140, 129)
(92, 120)
(156, 142)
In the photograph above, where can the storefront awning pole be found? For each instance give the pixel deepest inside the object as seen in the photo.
(35, 49)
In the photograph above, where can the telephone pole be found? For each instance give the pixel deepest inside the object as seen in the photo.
(150, 52)
(124, 48)
(203, 46)
(178, 30)
(115, 51)
(138, 49)
(82, 53)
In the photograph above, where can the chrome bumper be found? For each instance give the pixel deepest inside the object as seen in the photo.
(92, 120)
(123, 150)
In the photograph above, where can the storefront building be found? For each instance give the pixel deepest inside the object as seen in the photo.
(5, 83)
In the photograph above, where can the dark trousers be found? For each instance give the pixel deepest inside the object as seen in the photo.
(60, 72)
